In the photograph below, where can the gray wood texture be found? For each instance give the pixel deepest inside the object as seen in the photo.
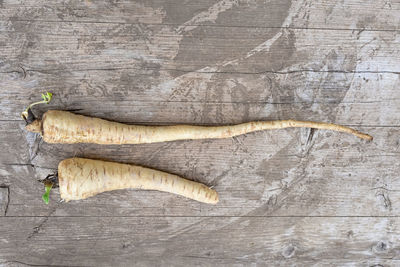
(294, 197)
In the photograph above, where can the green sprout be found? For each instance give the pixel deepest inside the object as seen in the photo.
(45, 196)
(46, 99)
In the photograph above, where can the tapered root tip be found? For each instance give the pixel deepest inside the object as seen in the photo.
(369, 138)
(364, 136)
(35, 126)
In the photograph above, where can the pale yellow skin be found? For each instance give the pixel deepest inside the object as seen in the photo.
(66, 127)
(81, 178)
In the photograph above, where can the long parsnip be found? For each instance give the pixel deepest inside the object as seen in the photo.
(80, 178)
(66, 127)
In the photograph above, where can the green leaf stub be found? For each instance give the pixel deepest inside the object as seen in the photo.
(45, 196)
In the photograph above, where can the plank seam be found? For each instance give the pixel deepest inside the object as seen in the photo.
(207, 25)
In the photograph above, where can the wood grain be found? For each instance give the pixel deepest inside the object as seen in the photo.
(187, 241)
(293, 197)
(211, 98)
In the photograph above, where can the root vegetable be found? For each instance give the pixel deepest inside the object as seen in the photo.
(66, 127)
(80, 178)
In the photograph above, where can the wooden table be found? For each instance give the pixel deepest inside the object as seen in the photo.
(287, 197)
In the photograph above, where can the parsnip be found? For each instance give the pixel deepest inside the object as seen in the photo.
(80, 178)
(65, 127)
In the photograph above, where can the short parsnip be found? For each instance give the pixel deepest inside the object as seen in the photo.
(80, 178)
(65, 127)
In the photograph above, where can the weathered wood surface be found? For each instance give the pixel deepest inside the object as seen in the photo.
(186, 241)
(289, 197)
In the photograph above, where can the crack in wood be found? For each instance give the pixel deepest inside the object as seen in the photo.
(208, 25)
(8, 198)
(212, 72)
(310, 136)
(207, 216)
(37, 228)
(309, 143)
(387, 203)
(39, 265)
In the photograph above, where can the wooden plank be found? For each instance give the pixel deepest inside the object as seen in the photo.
(188, 241)
(210, 98)
(351, 14)
(232, 49)
(271, 173)
(54, 44)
